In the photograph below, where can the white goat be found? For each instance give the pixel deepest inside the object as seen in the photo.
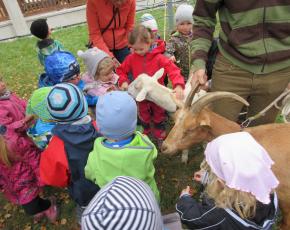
(146, 87)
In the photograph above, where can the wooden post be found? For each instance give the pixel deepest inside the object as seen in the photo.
(16, 17)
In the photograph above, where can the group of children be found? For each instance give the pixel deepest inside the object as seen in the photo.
(102, 159)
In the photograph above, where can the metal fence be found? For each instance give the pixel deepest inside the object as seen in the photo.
(3, 13)
(32, 7)
(163, 12)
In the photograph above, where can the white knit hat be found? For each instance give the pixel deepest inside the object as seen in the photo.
(149, 21)
(183, 13)
(92, 58)
(124, 204)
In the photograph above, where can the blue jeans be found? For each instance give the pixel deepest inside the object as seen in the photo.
(121, 54)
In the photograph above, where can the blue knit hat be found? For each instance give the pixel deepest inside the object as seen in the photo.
(116, 115)
(61, 66)
(66, 103)
(126, 203)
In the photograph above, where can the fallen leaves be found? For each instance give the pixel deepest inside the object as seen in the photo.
(63, 221)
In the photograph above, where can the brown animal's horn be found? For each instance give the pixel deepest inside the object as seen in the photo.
(190, 96)
(210, 97)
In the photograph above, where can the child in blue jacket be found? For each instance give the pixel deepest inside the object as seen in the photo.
(62, 163)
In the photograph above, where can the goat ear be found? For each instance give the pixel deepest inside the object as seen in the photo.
(158, 74)
(141, 95)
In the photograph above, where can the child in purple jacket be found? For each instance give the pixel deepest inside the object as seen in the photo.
(19, 158)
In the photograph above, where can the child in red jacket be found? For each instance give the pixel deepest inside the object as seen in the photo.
(147, 60)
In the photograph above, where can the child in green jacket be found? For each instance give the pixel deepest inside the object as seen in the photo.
(121, 151)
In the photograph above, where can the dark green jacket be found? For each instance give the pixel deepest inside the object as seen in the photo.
(254, 34)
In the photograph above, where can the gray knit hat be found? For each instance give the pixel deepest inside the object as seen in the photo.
(92, 58)
(183, 13)
(124, 204)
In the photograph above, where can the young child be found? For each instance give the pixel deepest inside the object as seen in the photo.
(178, 46)
(46, 45)
(143, 60)
(62, 163)
(239, 187)
(121, 150)
(62, 66)
(40, 131)
(134, 208)
(100, 77)
(19, 159)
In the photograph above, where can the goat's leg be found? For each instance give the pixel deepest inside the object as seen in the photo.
(184, 156)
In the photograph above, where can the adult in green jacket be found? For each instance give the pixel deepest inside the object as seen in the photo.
(122, 151)
(254, 52)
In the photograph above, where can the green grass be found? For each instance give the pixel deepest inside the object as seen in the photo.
(20, 68)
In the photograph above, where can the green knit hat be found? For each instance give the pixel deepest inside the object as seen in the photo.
(37, 104)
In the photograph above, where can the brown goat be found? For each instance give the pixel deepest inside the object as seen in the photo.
(197, 123)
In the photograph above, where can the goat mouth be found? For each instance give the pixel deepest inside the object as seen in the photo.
(168, 151)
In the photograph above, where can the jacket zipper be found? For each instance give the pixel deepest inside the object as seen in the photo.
(264, 43)
(144, 64)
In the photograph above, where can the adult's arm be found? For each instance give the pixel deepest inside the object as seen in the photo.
(95, 34)
(204, 17)
(131, 17)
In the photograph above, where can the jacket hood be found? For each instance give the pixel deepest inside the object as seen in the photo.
(75, 134)
(160, 47)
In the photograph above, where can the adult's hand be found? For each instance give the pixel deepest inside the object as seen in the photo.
(201, 77)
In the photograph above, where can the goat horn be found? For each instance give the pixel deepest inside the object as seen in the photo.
(190, 96)
(210, 97)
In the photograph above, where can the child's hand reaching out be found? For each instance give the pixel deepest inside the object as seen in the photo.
(172, 58)
(186, 191)
(124, 86)
(179, 94)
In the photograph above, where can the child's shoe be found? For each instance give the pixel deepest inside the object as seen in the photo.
(50, 213)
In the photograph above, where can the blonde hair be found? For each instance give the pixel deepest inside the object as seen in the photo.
(106, 65)
(140, 34)
(243, 203)
(4, 153)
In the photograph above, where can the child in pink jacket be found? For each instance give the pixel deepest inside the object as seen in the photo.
(19, 158)
(100, 77)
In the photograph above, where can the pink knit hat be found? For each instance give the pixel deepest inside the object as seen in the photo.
(243, 164)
